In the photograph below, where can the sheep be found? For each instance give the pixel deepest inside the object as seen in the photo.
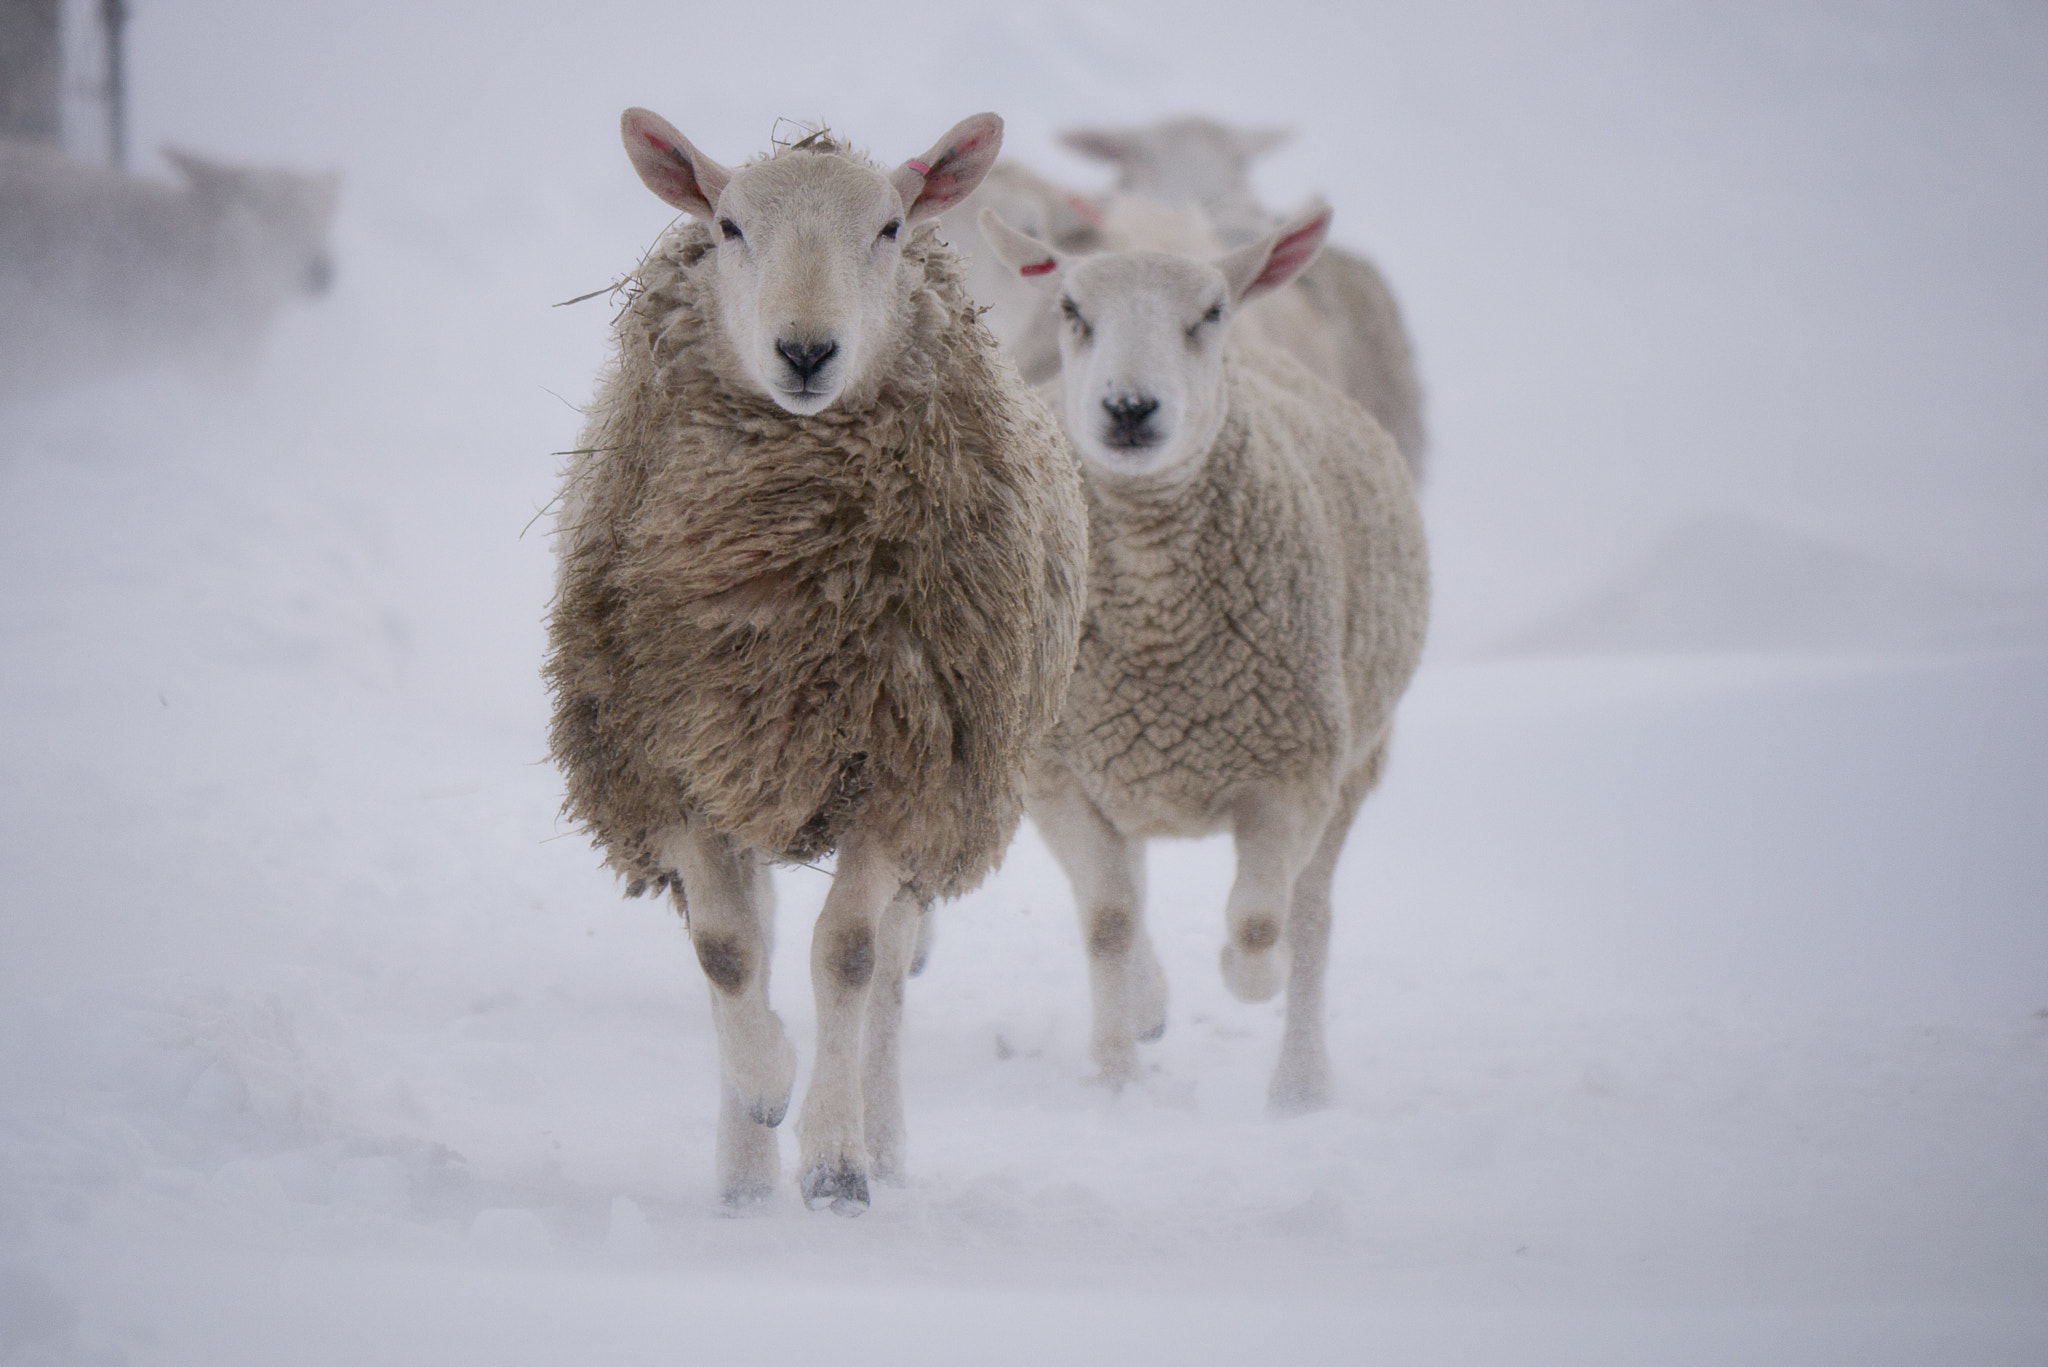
(1258, 592)
(1199, 162)
(820, 575)
(1016, 312)
(102, 271)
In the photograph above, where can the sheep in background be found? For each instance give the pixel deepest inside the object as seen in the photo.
(1258, 590)
(101, 271)
(1015, 311)
(821, 564)
(1199, 162)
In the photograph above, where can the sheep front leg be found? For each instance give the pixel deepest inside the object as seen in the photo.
(1274, 834)
(833, 1152)
(1301, 1082)
(730, 910)
(1107, 872)
(881, 1059)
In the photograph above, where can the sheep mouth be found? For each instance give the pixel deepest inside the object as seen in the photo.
(1123, 439)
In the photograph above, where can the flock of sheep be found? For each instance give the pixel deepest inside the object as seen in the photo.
(915, 499)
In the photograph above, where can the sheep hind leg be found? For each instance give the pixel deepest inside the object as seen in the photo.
(1107, 872)
(730, 910)
(1301, 1082)
(881, 1084)
(833, 1154)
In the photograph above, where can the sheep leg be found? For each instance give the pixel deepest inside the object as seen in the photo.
(1107, 872)
(1301, 1083)
(1273, 834)
(833, 1154)
(731, 909)
(881, 1080)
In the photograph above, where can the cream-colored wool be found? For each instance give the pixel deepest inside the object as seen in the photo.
(782, 626)
(1256, 624)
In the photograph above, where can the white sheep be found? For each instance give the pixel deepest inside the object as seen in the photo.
(1258, 590)
(101, 271)
(821, 562)
(1207, 165)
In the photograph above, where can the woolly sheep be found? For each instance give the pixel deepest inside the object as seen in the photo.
(1258, 591)
(1206, 164)
(821, 565)
(101, 270)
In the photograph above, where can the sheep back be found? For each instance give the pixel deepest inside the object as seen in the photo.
(1375, 363)
(1254, 626)
(782, 625)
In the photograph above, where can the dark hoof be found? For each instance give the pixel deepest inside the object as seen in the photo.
(917, 964)
(763, 1114)
(844, 1188)
(1154, 1033)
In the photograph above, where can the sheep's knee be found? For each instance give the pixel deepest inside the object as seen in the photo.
(1257, 934)
(853, 957)
(725, 962)
(1111, 931)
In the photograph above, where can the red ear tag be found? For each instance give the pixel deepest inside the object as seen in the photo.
(918, 166)
(1038, 268)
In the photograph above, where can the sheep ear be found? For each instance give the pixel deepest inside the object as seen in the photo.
(1256, 142)
(677, 173)
(948, 173)
(1103, 144)
(1276, 258)
(1025, 255)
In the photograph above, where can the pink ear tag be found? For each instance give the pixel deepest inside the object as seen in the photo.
(1038, 268)
(918, 166)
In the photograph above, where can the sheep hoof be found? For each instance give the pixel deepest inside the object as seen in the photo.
(746, 1194)
(842, 1186)
(769, 1113)
(1155, 1032)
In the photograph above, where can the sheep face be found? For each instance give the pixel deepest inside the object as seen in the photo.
(1143, 336)
(809, 252)
(811, 289)
(1141, 349)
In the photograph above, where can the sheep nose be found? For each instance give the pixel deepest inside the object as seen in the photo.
(1128, 414)
(805, 357)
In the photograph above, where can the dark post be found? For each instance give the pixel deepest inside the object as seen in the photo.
(114, 20)
(32, 70)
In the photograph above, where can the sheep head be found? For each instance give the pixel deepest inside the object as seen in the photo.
(1142, 337)
(809, 287)
(1182, 161)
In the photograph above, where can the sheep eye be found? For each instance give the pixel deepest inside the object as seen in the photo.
(730, 229)
(1068, 311)
(890, 230)
(1215, 313)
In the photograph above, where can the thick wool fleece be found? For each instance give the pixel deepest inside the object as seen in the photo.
(1251, 623)
(784, 626)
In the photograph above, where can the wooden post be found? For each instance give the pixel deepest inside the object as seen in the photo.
(114, 22)
(32, 70)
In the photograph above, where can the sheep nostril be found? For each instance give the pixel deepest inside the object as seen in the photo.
(806, 357)
(1130, 413)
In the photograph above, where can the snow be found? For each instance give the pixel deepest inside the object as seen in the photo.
(1690, 977)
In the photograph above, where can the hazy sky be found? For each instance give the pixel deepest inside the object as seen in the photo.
(1660, 259)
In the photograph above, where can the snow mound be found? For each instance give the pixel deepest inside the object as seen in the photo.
(1724, 583)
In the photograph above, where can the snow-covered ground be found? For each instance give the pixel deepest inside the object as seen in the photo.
(1690, 980)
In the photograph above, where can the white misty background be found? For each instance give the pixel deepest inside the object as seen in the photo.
(1689, 970)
